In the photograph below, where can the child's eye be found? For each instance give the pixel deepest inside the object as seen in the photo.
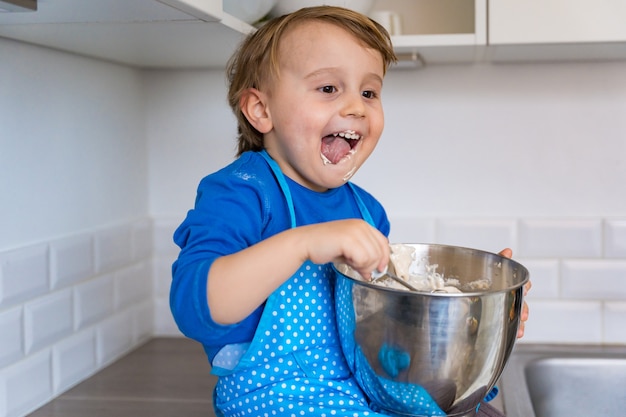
(369, 94)
(328, 89)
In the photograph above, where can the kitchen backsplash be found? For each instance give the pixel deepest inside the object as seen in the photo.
(72, 305)
(69, 307)
(577, 267)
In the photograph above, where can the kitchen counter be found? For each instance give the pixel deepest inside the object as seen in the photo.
(165, 377)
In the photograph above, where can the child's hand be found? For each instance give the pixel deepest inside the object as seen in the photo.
(263, 267)
(353, 242)
(508, 253)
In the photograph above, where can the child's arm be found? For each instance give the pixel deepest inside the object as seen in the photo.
(239, 283)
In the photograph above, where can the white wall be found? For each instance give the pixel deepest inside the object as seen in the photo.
(75, 237)
(481, 140)
(531, 157)
(509, 140)
(94, 157)
(73, 147)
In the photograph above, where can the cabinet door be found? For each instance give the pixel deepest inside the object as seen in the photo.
(556, 21)
(439, 31)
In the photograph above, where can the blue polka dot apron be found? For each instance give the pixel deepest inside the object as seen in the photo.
(294, 366)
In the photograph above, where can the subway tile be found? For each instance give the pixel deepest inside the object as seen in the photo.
(411, 230)
(142, 239)
(71, 260)
(615, 238)
(113, 248)
(26, 385)
(143, 321)
(491, 235)
(162, 275)
(556, 238)
(564, 322)
(614, 319)
(164, 324)
(23, 274)
(133, 284)
(11, 336)
(164, 237)
(594, 279)
(94, 300)
(47, 320)
(114, 337)
(544, 275)
(73, 360)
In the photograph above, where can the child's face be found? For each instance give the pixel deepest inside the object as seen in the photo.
(328, 90)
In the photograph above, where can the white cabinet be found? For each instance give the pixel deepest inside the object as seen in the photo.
(556, 21)
(199, 34)
(142, 33)
(442, 31)
(557, 29)
(439, 31)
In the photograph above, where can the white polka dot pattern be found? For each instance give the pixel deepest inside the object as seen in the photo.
(294, 366)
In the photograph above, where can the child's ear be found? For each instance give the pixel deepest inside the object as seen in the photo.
(253, 106)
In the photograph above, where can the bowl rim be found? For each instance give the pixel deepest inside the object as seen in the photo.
(435, 293)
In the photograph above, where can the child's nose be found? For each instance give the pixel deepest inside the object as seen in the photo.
(354, 106)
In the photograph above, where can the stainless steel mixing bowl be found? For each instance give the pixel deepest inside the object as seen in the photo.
(408, 349)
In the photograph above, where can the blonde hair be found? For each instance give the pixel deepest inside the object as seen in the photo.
(256, 61)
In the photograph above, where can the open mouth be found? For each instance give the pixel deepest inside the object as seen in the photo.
(338, 145)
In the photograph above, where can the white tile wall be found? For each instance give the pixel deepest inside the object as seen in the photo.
(594, 279)
(614, 319)
(23, 274)
(577, 268)
(133, 284)
(558, 321)
(93, 300)
(48, 319)
(556, 238)
(11, 336)
(26, 384)
(114, 337)
(143, 320)
(142, 232)
(164, 324)
(545, 277)
(411, 230)
(113, 247)
(69, 307)
(73, 360)
(71, 260)
(486, 234)
(165, 252)
(75, 304)
(615, 238)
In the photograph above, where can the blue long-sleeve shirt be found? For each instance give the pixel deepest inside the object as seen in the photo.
(237, 207)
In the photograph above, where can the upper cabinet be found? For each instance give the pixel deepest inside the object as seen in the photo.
(527, 30)
(142, 33)
(441, 31)
(200, 34)
(436, 31)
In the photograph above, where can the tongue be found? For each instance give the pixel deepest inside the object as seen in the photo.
(334, 148)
